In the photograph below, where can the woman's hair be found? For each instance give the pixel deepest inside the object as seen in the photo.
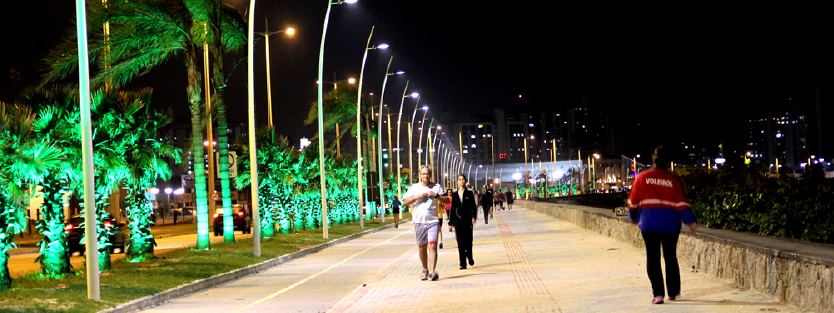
(464, 177)
(660, 157)
(450, 190)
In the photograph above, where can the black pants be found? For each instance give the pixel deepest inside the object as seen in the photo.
(669, 243)
(486, 214)
(463, 235)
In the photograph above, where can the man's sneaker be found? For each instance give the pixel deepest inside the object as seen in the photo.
(425, 274)
(440, 245)
(434, 276)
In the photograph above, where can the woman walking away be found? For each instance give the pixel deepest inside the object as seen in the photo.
(486, 204)
(395, 209)
(657, 204)
(463, 213)
(449, 193)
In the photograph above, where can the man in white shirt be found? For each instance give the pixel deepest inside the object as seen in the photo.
(424, 196)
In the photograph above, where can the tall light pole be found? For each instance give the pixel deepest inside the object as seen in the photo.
(368, 46)
(321, 113)
(492, 143)
(379, 136)
(399, 120)
(266, 35)
(410, 139)
(93, 287)
(253, 154)
(420, 140)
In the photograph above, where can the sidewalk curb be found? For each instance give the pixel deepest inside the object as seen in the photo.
(206, 283)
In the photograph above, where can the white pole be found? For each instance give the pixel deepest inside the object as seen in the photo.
(93, 288)
(253, 149)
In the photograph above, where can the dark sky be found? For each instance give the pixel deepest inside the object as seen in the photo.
(678, 69)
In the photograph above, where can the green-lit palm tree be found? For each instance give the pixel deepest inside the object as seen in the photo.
(24, 160)
(225, 34)
(144, 34)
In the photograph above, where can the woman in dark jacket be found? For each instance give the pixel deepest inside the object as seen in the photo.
(464, 212)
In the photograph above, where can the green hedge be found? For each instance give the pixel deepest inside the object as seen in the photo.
(746, 199)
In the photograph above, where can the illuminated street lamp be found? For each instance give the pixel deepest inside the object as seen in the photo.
(420, 141)
(359, 188)
(399, 120)
(320, 117)
(93, 287)
(266, 34)
(379, 135)
(410, 139)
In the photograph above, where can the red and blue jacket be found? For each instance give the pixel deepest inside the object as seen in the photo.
(657, 202)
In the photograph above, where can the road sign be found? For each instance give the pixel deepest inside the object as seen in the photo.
(187, 181)
(232, 164)
(215, 196)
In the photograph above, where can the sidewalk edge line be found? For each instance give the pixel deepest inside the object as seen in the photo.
(210, 282)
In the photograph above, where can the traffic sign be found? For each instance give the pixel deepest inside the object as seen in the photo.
(215, 196)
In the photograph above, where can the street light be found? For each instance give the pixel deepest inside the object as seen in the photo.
(379, 135)
(399, 120)
(368, 46)
(320, 117)
(420, 141)
(266, 34)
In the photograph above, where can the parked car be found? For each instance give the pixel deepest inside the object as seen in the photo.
(242, 221)
(75, 232)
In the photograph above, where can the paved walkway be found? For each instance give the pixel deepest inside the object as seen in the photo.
(524, 262)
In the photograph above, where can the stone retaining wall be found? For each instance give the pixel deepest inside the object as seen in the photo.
(804, 280)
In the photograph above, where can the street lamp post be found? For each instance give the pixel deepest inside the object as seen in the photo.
(266, 35)
(253, 154)
(93, 287)
(324, 218)
(368, 46)
(420, 140)
(379, 136)
(399, 120)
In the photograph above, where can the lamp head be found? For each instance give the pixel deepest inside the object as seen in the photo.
(350, 1)
(351, 80)
(399, 72)
(415, 95)
(425, 108)
(290, 31)
(382, 46)
(169, 190)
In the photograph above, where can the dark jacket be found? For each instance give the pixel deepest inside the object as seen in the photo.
(486, 199)
(463, 212)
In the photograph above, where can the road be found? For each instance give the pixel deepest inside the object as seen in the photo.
(525, 262)
(22, 264)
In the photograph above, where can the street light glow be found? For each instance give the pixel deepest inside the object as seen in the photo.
(415, 95)
(382, 46)
(425, 108)
(351, 80)
(290, 31)
(169, 190)
(400, 72)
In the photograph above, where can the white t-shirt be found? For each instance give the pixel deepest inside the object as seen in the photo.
(424, 210)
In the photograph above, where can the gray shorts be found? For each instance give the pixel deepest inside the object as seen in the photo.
(426, 233)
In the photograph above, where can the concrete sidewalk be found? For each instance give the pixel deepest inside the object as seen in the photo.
(529, 262)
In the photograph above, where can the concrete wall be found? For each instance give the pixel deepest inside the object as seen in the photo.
(797, 272)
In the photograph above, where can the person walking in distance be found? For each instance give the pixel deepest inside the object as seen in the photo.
(509, 199)
(424, 197)
(486, 204)
(657, 204)
(463, 213)
(395, 209)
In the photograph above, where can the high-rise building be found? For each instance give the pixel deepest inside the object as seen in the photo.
(779, 135)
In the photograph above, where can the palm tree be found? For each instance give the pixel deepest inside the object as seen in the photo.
(227, 34)
(23, 162)
(144, 34)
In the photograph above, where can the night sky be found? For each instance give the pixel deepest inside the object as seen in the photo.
(679, 71)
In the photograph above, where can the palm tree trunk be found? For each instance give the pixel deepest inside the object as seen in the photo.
(141, 239)
(223, 147)
(54, 258)
(266, 212)
(6, 242)
(102, 199)
(198, 153)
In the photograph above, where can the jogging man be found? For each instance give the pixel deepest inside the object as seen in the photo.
(424, 197)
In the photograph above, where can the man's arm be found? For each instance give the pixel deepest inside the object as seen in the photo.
(409, 201)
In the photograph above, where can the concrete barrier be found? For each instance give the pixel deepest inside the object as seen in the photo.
(797, 272)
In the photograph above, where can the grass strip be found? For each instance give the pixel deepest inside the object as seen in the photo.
(128, 281)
